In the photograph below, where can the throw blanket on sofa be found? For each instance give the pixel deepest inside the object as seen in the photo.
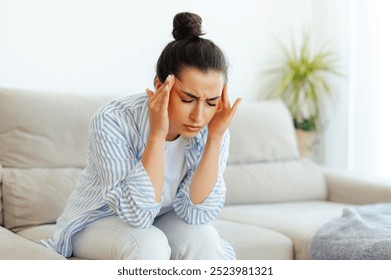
(362, 233)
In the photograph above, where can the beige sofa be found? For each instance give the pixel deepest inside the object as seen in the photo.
(276, 200)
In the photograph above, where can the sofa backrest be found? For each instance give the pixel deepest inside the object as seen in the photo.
(262, 131)
(43, 145)
(45, 129)
(264, 163)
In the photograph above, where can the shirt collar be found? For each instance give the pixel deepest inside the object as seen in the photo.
(198, 142)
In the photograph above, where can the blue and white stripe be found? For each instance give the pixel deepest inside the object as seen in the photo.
(116, 183)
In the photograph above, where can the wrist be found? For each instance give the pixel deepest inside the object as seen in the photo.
(214, 139)
(156, 137)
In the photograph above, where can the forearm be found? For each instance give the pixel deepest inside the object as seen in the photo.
(153, 162)
(134, 199)
(207, 172)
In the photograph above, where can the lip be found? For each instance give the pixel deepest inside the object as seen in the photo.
(192, 127)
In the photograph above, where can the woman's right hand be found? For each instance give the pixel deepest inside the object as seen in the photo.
(158, 108)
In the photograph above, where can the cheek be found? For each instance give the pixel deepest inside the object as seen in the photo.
(171, 109)
(175, 109)
(210, 112)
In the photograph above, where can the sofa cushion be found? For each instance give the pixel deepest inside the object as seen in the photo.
(37, 233)
(14, 247)
(297, 220)
(277, 181)
(36, 196)
(45, 129)
(1, 210)
(262, 131)
(1, 199)
(255, 243)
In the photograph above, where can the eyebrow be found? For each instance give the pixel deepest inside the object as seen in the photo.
(196, 97)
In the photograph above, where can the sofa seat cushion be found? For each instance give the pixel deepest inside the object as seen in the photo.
(255, 243)
(297, 220)
(37, 233)
(36, 196)
(278, 181)
(14, 247)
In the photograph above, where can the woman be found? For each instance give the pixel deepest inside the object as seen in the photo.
(154, 175)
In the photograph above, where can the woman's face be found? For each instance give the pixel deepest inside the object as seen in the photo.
(194, 99)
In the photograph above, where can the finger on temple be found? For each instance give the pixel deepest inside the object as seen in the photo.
(171, 82)
(225, 97)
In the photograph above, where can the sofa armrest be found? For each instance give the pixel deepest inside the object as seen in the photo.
(345, 187)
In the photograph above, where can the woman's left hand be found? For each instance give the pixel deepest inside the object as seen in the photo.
(223, 116)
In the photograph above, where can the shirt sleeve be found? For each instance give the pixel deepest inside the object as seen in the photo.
(126, 186)
(208, 210)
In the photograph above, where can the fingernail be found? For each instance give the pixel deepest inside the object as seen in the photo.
(168, 78)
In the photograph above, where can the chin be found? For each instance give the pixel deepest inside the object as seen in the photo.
(189, 134)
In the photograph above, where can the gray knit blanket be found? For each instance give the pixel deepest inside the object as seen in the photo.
(362, 233)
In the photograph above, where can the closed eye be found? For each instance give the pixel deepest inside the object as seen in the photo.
(187, 101)
(211, 104)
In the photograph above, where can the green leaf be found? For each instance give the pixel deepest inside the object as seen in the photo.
(302, 82)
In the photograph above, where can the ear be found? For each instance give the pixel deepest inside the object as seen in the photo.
(158, 83)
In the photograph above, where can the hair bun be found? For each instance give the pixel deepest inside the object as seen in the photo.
(187, 25)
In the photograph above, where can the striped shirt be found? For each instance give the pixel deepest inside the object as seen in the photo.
(115, 182)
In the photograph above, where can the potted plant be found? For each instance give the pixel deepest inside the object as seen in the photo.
(300, 80)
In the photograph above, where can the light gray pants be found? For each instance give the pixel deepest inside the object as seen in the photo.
(168, 238)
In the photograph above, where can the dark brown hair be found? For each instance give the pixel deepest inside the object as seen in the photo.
(190, 50)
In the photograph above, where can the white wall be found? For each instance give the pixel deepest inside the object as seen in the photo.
(331, 26)
(102, 46)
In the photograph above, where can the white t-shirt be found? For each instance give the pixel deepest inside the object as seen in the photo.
(174, 171)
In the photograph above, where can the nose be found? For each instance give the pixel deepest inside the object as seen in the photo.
(197, 113)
